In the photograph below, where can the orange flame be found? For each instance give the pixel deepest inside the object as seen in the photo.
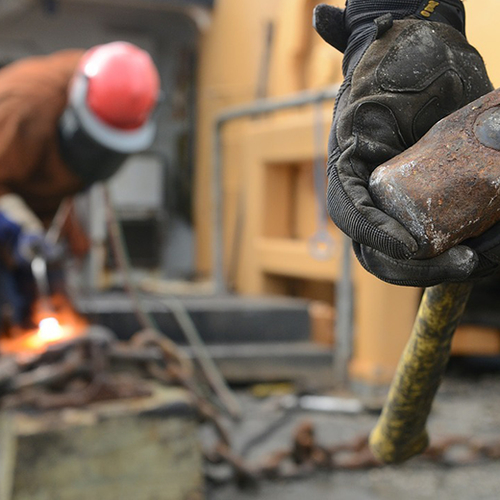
(61, 324)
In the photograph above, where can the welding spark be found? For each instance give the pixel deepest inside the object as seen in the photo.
(50, 330)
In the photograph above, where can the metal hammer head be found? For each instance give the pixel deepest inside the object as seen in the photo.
(446, 188)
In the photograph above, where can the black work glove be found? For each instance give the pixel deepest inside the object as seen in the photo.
(406, 65)
(479, 257)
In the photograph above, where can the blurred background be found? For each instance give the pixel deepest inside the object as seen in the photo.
(225, 215)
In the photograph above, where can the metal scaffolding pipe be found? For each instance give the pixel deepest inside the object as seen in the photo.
(256, 108)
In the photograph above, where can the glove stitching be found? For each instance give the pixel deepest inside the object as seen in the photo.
(360, 130)
(372, 234)
(422, 84)
(422, 282)
(392, 281)
(415, 262)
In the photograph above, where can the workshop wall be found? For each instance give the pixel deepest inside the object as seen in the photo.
(239, 61)
(482, 33)
(267, 167)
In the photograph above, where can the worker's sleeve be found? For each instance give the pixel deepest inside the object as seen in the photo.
(22, 142)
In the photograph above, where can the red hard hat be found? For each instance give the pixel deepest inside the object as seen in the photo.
(114, 93)
(123, 84)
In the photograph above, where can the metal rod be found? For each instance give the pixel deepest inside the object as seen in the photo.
(54, 232)
(344, 323)
(208, 367)
(256, 108)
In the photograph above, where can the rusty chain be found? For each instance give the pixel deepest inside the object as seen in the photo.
(82, 371)
(306, 455)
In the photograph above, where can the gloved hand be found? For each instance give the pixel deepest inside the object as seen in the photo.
(406, 65)
(21, 238)
(30, 245)
(21, 232)
(479, 257)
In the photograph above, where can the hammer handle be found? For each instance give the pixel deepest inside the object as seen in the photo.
(401, 429)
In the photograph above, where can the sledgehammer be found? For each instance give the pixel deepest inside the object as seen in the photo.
(444, 190)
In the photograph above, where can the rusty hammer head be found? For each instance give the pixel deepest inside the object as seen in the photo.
(446, 188)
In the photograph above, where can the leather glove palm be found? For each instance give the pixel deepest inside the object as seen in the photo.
(403, 73)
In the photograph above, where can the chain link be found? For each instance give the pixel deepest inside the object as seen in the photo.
(83, 371)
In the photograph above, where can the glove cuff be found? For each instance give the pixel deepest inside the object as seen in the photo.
(451, 12)
(362, 13)
(364, 28)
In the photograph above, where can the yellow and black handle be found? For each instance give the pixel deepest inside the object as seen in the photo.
(401, 430)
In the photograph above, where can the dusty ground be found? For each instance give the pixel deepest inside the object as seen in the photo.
(468, 404)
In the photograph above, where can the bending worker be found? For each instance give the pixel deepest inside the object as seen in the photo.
(67, 120)
(407, 64)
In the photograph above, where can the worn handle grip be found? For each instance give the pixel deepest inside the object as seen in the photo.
(400, 432)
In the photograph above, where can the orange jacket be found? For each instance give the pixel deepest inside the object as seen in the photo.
(33, 95)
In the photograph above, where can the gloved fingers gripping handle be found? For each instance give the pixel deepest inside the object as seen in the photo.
(487, 247)
(348, 199)
(455, 265)
(401, 430)
(363, 221)
(488, 243)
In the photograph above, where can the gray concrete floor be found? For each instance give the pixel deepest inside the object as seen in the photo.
(466, 405)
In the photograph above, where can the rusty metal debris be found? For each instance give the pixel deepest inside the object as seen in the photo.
(98, 367)
(306, 456)
(67, 374)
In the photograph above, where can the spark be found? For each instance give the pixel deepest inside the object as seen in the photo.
(49, 330)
